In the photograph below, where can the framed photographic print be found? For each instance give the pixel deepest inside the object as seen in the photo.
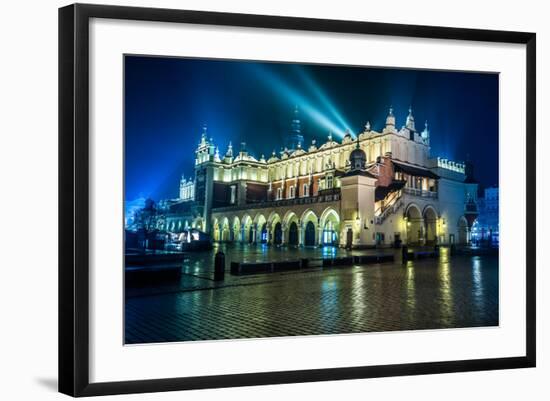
(249, 199)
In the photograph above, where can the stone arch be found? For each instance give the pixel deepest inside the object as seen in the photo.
(289, 216)
(273, 218)
(235, 229)
(216, 232)
(329, 227)
(309, 223)
(429, 214)
(246, 226)
(225, 230)
(260, 229)
(274, 224)
(198, 223)
(415, 224)
(290, 228)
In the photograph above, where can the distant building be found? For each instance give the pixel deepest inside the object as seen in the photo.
(379, 189)
(486, 227)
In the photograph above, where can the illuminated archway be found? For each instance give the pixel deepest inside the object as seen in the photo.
(430, 224)
(260, 225)
(235, 229)
(225, 230)
(274, 225)
(330, 224)
(246, 228)
(309, 222)
(198, 223)
(290, 228)
(216, 235)
(293, 237)
(415, 225)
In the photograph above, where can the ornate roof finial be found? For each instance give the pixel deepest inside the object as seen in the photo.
(410, 120)
(229, 150)
(390, 119)
(367, 126)
(330, 136)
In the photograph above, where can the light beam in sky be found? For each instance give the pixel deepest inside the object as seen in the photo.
(296, 98)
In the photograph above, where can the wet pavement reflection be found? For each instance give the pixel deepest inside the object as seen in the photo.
(447, 292)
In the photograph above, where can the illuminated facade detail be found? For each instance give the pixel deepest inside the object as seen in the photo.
(374, 189)
(187, 189)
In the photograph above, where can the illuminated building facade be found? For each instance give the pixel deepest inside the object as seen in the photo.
(486, 227)
(381, 188)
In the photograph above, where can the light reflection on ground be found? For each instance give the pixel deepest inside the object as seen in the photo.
(448, 292)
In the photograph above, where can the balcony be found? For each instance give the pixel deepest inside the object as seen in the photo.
(329, 195)
(420, 192)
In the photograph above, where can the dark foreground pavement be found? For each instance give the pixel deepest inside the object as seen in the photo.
(461, 291)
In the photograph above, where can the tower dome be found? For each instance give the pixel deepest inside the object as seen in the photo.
(357, 158)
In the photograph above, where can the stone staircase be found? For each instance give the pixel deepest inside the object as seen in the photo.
(392, 205)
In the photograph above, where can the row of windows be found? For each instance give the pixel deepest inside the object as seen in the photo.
(328, 182)
(292, 192)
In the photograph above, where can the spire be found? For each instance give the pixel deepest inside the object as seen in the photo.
(330, 136)
(229, 150)
(367, 126)
(204, 138)
(313, 145)
(426, 132)
(390, 119)
(410, 120)
(295, 138)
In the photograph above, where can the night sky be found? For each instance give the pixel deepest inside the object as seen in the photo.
(168, 100)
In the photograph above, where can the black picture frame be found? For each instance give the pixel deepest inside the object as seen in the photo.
(74, 200)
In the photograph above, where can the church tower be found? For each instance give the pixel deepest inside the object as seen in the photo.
(295, 139)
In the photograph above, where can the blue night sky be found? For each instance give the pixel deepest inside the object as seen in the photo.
(168, 100)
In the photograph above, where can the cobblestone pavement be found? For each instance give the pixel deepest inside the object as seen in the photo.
(461, 291)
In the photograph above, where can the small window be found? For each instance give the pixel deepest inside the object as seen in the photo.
(233, 194)
(306, 190)
(279, 193)
(291, 192)
(329, 182)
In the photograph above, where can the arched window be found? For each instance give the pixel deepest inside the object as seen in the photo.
(306, 190)
(279, 193)
(291, 192)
